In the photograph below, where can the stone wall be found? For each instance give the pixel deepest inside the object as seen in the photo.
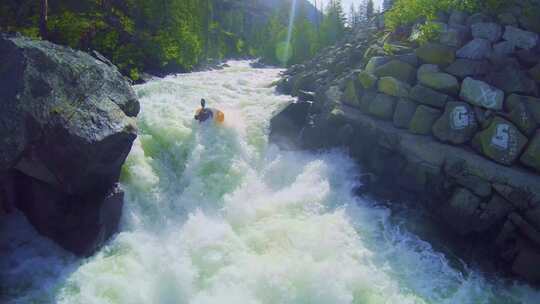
(455, 122)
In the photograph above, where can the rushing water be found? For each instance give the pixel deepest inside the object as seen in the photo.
(214, 214)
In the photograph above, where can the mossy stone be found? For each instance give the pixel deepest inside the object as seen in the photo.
(393, 87)
(423, 120)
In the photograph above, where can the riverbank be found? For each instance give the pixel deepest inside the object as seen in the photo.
(449, 123)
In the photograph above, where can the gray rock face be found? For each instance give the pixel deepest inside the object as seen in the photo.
(66, 122)
(487, 30)
(457, 125)
(481, 94)
(463, 68)
(427, 96)
(476, 49)
(502, 141)
(520, 38)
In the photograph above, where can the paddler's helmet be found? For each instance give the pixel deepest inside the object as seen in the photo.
(203, 103)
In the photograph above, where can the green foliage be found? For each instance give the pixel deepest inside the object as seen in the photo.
(160, 36)
(408, 12)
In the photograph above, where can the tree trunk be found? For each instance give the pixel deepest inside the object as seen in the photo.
(43, 20)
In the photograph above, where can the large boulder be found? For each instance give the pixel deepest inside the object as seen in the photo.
(463, 68)
(531, 156)
(423, 120)
(393, 87)
(441, 82)
(476, 49)
(487, 30)
(501, 141)
(397, 69)
(457, 125)
(376, 62)
(427, 96)
(68, 123)
(367, 80)
(481, 94)
(436, 54)
(454, 36)
(520, 38)
(288, 123)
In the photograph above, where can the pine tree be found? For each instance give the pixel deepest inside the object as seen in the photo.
(370, 10)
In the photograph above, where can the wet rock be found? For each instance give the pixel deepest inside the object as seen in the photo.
(460, 211)
(476, 49)
(531, 156)
(441, 82)
(423, 120)
(494, 212)
(502, 142)
(527, 265)
(512, 80)
(463, 68)
(67, 123)
(520, 38)
(481, 94)
(393, 87)
(288, 123)
(428, 96)
(404, 113)
(436, 54)
(457, 125)
(397, 69)
(487, 30)
(367, 80)
(382, 107)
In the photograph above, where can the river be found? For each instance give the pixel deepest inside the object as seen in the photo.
(215, 214)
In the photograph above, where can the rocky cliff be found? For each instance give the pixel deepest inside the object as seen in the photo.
(67, 123)
(452, 123)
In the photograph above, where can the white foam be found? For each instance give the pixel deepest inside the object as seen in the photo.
(215, 215)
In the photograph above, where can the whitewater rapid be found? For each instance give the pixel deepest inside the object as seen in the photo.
(215, 214)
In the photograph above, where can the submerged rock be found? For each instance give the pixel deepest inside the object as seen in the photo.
(67, 125)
